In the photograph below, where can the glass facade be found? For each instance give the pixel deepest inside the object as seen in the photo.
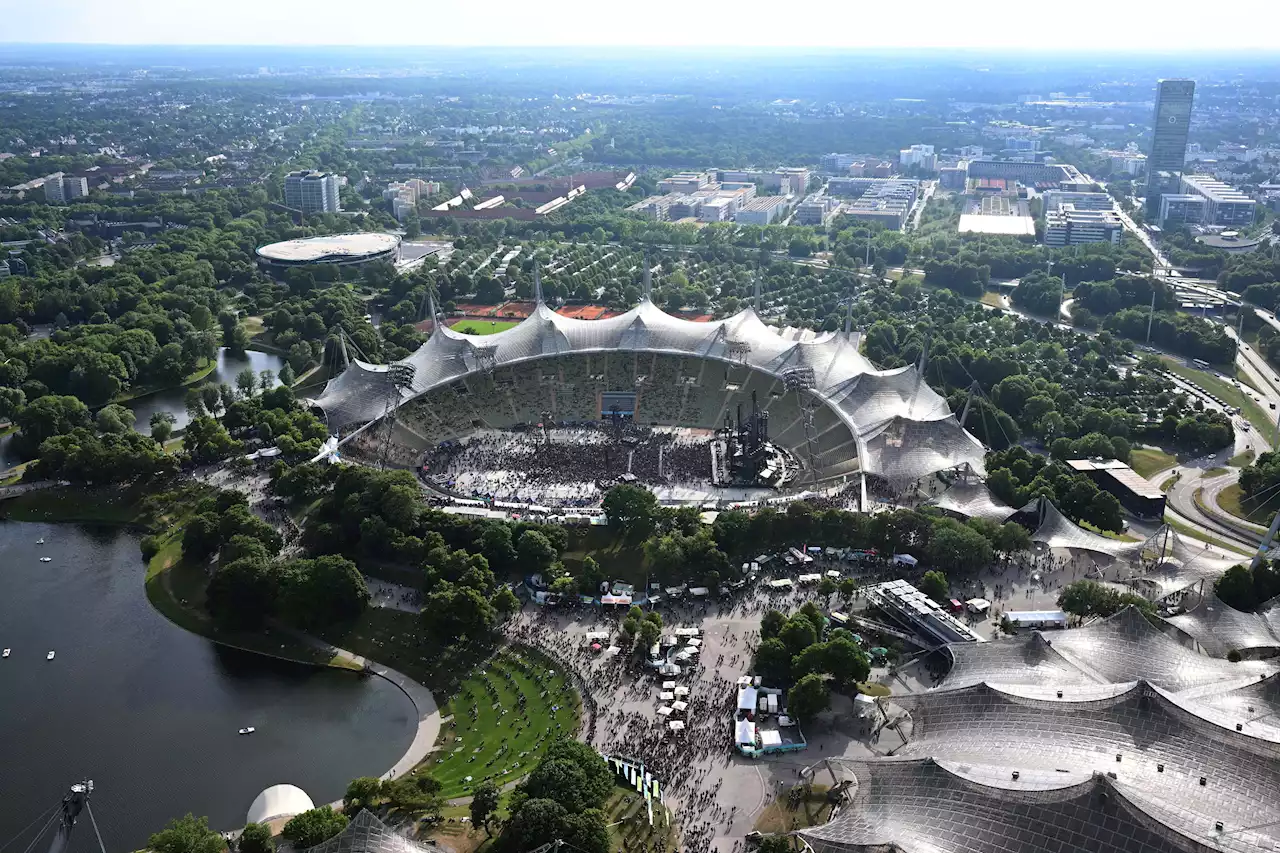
(1169, 125)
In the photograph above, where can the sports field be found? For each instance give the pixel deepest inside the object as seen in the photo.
(482, 327)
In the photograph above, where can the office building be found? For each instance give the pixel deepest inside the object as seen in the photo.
(311, 191)
(718, 209)
(814, 210)
(1224, 205)
(792, 179)
(1170, 124)
(954, 177)
(1129, 163)
(1180, 209)
(684, 182)
(1032, 174)
(762, 211)
(1067, 226)
(971, 152)
(920, 156)
(886, 202)
(1081, 201)
(838, 163)
(1014, 143)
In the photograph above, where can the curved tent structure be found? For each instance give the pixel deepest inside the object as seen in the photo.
(897, 425)
(972, 500)
(1125, 767)
(1179, 564)
(1220, 628)
(278, 801)
(1122, 648)
(1058, 531)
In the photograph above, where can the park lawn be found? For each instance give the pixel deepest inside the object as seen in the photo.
(874, 688)
(1223, 390)
(483, 327)
(812, 810)
(1240, 460)
(253, 325)
(990, 297)
(627, 817)
(1168, 483)
(1216, 471)
(1148, 460)
(489, 738)
(1110, 534)
(1232, 500)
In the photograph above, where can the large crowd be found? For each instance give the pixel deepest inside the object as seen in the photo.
(565, 466)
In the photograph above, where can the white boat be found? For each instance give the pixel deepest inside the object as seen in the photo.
(248, 730)
(6, 653)
(40, 541)
(46, 559)
(49, 656)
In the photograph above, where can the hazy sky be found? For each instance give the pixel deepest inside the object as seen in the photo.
(1018, 24)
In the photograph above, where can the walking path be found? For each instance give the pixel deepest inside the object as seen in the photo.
(428, 713)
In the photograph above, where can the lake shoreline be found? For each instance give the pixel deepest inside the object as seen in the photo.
(84, 510)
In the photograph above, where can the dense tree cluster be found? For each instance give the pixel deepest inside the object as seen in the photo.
(1016, 477)
(1246, 588)
(1086, 598)
(561, 799)
(800, 655)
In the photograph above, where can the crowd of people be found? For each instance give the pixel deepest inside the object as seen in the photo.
(565, 466)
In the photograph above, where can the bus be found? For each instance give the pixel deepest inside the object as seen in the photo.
(1200, 363)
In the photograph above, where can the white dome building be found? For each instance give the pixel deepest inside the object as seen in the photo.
(278, 801)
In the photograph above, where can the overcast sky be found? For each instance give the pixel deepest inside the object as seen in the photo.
(1082, 24)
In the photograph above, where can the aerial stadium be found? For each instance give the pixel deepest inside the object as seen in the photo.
(333, 250)
(555, 409)
(1111, 737)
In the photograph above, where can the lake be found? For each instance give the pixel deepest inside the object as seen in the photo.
(149, 711)
(173, 400)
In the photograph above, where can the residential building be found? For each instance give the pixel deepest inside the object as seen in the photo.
(954, 177)
(60, 189)
(764, 210)
(1170, 125)
(971, 152)
(920, 156)
(742, 176)
(814, 210)
(1129, 163)
(1081, 201)
(311, 191)
(1067, 226)
(684, 182)
(1224, 205)
(1015, 143)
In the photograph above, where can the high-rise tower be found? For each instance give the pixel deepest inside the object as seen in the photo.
(1169, 127)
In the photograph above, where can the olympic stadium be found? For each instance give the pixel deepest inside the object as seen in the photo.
(810, 396)
(333, 250)
(1111, 737)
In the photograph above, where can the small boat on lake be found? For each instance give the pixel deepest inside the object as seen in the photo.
(6, 653)
(49, 656)
(46, 559)
(40, 541)
(248, 730)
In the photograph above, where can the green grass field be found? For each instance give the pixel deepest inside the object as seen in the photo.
(1192, 533)
(628, 821)
(491, 737)
(1232, 500)
(483, 327)
(1240, 460)
(1148, 460)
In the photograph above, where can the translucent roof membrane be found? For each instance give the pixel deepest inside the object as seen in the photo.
(903, 428)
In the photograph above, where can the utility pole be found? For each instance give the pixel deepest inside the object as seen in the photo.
(1151, 315)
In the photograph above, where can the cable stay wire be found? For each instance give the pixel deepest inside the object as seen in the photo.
(102, 848)
(24, 829)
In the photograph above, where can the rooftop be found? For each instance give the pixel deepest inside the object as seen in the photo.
(977, 223)
(336, 245)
